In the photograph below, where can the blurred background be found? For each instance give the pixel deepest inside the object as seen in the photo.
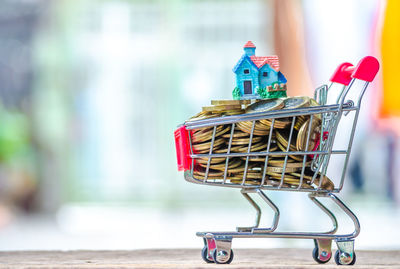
(91, 92)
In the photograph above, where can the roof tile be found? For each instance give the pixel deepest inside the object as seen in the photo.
(249, 44)
(260, 61)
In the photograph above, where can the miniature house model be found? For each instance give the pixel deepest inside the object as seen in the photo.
(258, 76)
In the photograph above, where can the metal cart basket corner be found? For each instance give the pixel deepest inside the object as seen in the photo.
(217, 245)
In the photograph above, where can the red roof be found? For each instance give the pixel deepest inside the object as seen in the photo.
(249, 44)
(260, 61)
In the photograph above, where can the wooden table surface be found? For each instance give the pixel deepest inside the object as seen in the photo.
(186, 258)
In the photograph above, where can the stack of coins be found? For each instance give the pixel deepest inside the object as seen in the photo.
(226, 142)
(202, 138)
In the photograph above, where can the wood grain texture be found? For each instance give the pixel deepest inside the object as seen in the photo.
(186, 258)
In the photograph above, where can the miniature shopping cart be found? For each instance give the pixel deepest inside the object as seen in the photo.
(217, 245)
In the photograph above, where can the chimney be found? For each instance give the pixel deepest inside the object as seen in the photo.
(249, 49)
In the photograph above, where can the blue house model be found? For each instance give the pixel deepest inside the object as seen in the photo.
(258, 76)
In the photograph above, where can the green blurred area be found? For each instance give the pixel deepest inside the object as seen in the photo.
(106, 84)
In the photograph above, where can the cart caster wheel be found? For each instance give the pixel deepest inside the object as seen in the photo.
(204, 255)
(318, 259)
(220, 257)
(344, 258)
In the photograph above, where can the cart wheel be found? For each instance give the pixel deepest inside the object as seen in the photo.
(315, 255)
(345, 256)
(219, 259)
(204, 255)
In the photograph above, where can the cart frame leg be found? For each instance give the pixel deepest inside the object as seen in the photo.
(244, 192)
(351, 215)
(276, 215)
(255, 229)
(326, 211)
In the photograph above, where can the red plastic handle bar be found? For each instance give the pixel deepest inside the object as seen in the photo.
(182, 148)
(366, 70)
(343, 73)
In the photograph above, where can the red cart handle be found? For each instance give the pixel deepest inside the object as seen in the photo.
(182, 148)
(366, 70)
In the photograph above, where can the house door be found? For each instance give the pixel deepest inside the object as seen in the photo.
(248, 89)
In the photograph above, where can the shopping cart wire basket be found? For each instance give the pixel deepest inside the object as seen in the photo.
(315, 157)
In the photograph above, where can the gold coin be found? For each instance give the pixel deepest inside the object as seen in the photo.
(261, 158)
(276, 183)
(221, 108)
(295, 157)
(228, 111)
(326, 184)
(200, 133)
(206, 145)
(278, 123)
(206, 129)
(249, 182)
(200, 177)
(202, 130)
(279, 161)
(233, 112)
(206, 151)
(296, 184)
(234, 163)
(221, 150)
(275, 169)
(259, 128)
(300, 120)
(283, 138)
(254, 159)
(267, 182)
(230, 102)
(278, 176)
(287, 182)
(265, 105)
(253, 173)
(290, 163)
(250, 175)
(236, 134)
(202, 136)
(305, 176)
(204, 160)
(255, 132)
(256, 147)
(301, 141)
(238, 169)
(211, 173)
(257, 125)
(245, 141)
(202, 116)
(313, 102)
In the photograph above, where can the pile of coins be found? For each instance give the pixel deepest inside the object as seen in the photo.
(226, 142)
